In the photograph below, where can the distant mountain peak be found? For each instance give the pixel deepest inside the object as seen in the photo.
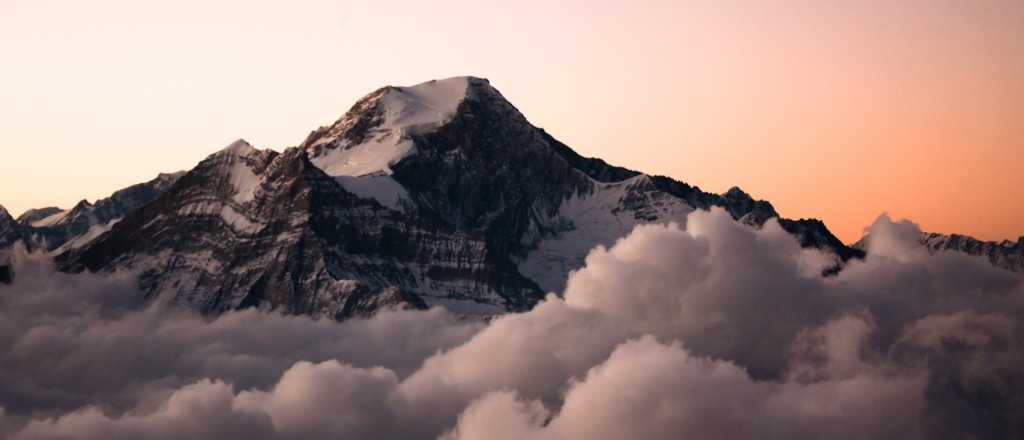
(239, 147)
(1006, 253)
(736, 192)
(33, 216)
(238, 167)
(82, 204)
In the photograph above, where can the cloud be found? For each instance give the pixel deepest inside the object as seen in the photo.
(204, 409)
(712, 330)
(67, 341)
(655, 391)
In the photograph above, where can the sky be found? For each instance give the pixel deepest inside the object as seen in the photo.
(834, 110)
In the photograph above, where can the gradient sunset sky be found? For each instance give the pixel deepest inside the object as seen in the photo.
(835, 110)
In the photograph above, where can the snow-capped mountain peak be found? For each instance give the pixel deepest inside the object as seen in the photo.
(239, 147)
(361, 147)
(375, 133)
(427, 103)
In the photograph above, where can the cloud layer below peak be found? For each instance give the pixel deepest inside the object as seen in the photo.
(712, 330)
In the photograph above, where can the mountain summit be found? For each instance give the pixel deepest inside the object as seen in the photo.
(441, 193)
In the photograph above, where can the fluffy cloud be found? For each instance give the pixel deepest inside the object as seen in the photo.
(67, 341)
(709, 331)
(655, 391)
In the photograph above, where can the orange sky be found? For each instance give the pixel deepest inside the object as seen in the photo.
(838, 111)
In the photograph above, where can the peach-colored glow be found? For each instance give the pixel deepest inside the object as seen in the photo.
(828, 110)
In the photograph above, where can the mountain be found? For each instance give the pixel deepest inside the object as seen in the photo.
(439, 193)
(1006, 254)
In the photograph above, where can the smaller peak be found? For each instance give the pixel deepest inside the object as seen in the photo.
(4, 215)
(737, 193)
(238, 148)
(453, 90)
(36, 214)
(82, 204)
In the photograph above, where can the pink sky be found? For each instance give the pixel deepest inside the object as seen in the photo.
(838, 111)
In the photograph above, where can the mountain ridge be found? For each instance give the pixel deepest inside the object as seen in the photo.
(1005, 253)
(441, 193)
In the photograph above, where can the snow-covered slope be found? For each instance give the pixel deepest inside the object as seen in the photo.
(377, 133)
(41, 217)
(600, 217)
(240, 158)
(360, 148)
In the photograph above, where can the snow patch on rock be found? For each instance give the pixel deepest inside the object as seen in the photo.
(374, 156)
(240, 173)
(378, 186)
(94, 231)
(50, 220)
(599, 218)
(239, 222)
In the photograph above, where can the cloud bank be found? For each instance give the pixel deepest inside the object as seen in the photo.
(708, 330)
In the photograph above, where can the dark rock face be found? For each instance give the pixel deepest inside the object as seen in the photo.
(9, 229)
(11, 234)
(813, 233)
(489, 170)
(483, 193)
(1005, 254)
(309, 247)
